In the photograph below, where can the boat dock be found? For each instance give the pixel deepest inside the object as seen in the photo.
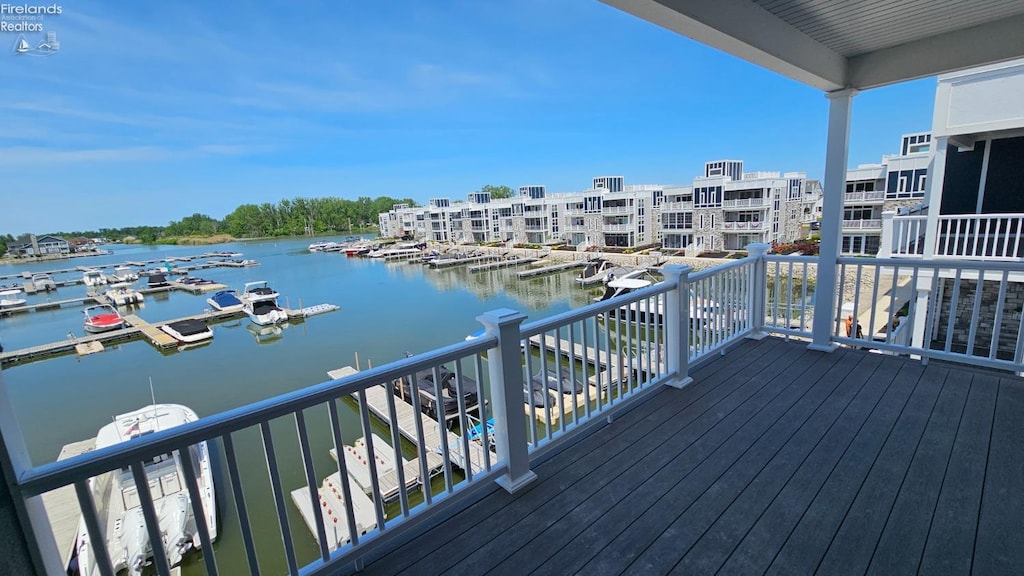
(197, 288)
(156, 337)
(508, 263)
(62, 505)
(459, 260)
(550, 269)
(123, 334)
(332, 510)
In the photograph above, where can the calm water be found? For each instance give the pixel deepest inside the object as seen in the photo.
(387, 309)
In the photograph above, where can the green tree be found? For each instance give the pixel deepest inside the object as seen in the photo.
(497, 191)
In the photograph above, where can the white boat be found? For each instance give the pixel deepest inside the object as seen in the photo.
(703, 311)
(325, 247)
(124, 274)
(9, 290)
(225, 301)
(102, 318)
(43, 282)
(117, 499)
(11, 302)
(93, 277)
(265, 312)
(258, 291)
(122, 294)
(188, 331)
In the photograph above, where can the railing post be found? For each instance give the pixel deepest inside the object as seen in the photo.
(885, 243)
(758, 289)
(677, 325)
(505, 369)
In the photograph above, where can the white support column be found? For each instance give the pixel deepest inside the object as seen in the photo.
(677, 325)
(885, 243)
(505, 370)
(758, 289)
(936, 174)
(836, 152)
(29, 514)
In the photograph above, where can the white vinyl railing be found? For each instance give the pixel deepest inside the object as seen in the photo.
(971, 236)
(585, 365)
(744, 203)
(863, 196)
(866, 224)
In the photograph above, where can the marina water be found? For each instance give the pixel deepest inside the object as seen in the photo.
(387, 309)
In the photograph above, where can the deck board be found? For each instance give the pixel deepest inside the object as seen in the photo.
(775, 460)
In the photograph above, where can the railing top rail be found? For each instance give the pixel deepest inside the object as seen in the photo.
(988, 265)
(791, 258)
(910, 217)
(709, 272)
(979, 216)
(56, 474)
(590, 310)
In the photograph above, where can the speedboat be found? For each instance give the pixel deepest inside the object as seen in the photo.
(325, 247)
(265, 312)
(188, 331)
(258, 291)
(449, 391)
(225, 301)
(157, 280)
(552, 381)
(93, 277)
(102, 318)
(122, 294)
(43, 282)
(536, 394)
(11, 302)
(124, 274)
(117, 499)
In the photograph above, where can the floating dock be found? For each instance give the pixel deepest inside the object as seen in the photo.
(332, 510)
(509, 263)
(459, 261)
(550, 269)
(157, 337)
(62, 505)
(318, 309)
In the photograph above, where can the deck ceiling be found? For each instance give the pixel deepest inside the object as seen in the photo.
(836, 44)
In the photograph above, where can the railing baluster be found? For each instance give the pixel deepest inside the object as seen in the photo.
(396, 444)
(314, 491)
(572, 374)
(997, 323)
(275, 484)
(464, 424)
(558, 373)
(421, 444)
(953, 303)
(975, 314)
(371, 460)
(97, 537)
(875, 300)
(198, 509)
(586, 369)
(156, 541)
(442, 432)
(346, 487)
(243, 512)
(528, 392)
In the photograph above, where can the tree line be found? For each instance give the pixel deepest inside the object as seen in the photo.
(293, 217)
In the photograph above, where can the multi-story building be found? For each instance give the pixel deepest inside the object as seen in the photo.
(723, 209)
(726, 208)
(897, 183)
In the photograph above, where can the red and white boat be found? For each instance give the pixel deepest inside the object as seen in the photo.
(102, 318)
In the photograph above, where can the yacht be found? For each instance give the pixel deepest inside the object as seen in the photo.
(43, 282)
(117, 499)
(102, 318)
(258, 291)
(265, 312)
(93, 277)
(122, 294)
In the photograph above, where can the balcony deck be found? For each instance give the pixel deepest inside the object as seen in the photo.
(775, 460)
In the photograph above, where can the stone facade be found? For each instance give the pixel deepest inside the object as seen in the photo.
(964, 315)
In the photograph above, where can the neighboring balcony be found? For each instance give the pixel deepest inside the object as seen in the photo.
(676, 206)
(616, 210)
(745, 203)
(729, 226)
(970, 236)
(865, 224)
(864, 197)
(618, 227)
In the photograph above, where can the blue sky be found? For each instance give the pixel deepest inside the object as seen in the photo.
(153, 111)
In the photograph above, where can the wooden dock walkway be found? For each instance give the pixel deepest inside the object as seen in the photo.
(459, 261)
(550, 269)
(62, 505)
(509, 263)
(79, 301)
(157, 337)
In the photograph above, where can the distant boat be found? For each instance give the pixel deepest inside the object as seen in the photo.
(157, 280)
(225, 301)
(122, 294)
(93, 277)
(102, 318)
(43, 282)
(188, 331)
(257, 291)
(124, 274)
(265, 312)
(11, 302)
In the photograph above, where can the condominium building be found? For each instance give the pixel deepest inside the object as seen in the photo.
(725, 209)
(898, 183)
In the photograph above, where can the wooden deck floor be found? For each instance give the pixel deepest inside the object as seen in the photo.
(776, 460)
